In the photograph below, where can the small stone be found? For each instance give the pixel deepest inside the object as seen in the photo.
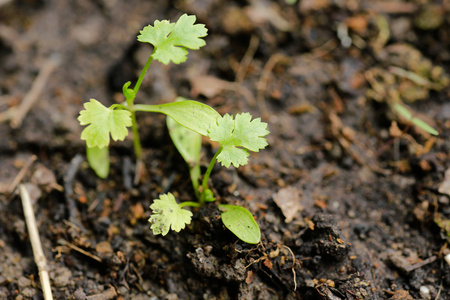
(28, 292)
(309, 283)
(79, 294)
(425, 292)
(62, 277)
(23, 282)
(104, 249)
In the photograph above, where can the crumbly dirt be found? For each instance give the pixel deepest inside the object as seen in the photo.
(352, 199)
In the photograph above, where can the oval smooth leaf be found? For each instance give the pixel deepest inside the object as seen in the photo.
(241, 222)
(98, 159)
(189, 144)
(191, 114)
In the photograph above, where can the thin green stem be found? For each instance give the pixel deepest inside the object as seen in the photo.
(210, 167)
(130, 103)
(136, 138)
(147, 107)
(189, 203)
(121, 106)
(141, 77)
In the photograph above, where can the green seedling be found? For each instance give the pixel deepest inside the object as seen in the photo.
(187, 121)
(405, 113)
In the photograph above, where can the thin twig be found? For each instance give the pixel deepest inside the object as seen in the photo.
(126, 173)
(439, 292)
(68, 189)
(7, 114)
(35, 91)
(292, 267)
(21, 174)
(140, 167)
(38, 253)
(424, 262)
(325, 48)
(262, 82)
(76, 248)
(111, 293)
(247, 59)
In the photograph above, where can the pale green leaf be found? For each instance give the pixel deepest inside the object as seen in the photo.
(233, 155)
(189, 144)
(171, 39)
(98, 159)
(424, 126)
(193, 115)
(167, 214)
(103, 122)
(239, 132)
(241, 222)
(403, 111)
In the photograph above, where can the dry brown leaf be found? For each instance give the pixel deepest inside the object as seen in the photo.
(250, 277)
(268, 263)
(260, 13)
(358, 23)
(45, 178)
(209, 86)
(401, 295)
(309, 5)
(288, 200)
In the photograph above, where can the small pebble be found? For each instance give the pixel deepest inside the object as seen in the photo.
(425, 292)
(79, 294)
(447, 258)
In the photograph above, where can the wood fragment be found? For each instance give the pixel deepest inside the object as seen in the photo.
(38, 253)
(111, 293)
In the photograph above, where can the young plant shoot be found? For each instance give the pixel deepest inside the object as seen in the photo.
(187, 121)
(405, 113)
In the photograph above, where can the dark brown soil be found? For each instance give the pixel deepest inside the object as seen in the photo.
(351, 199)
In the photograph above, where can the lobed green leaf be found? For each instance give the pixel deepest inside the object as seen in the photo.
(171, 39)
(167, 214)
(239, 132)
(103, 122)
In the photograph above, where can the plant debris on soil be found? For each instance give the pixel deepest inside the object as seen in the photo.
(352, 199)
